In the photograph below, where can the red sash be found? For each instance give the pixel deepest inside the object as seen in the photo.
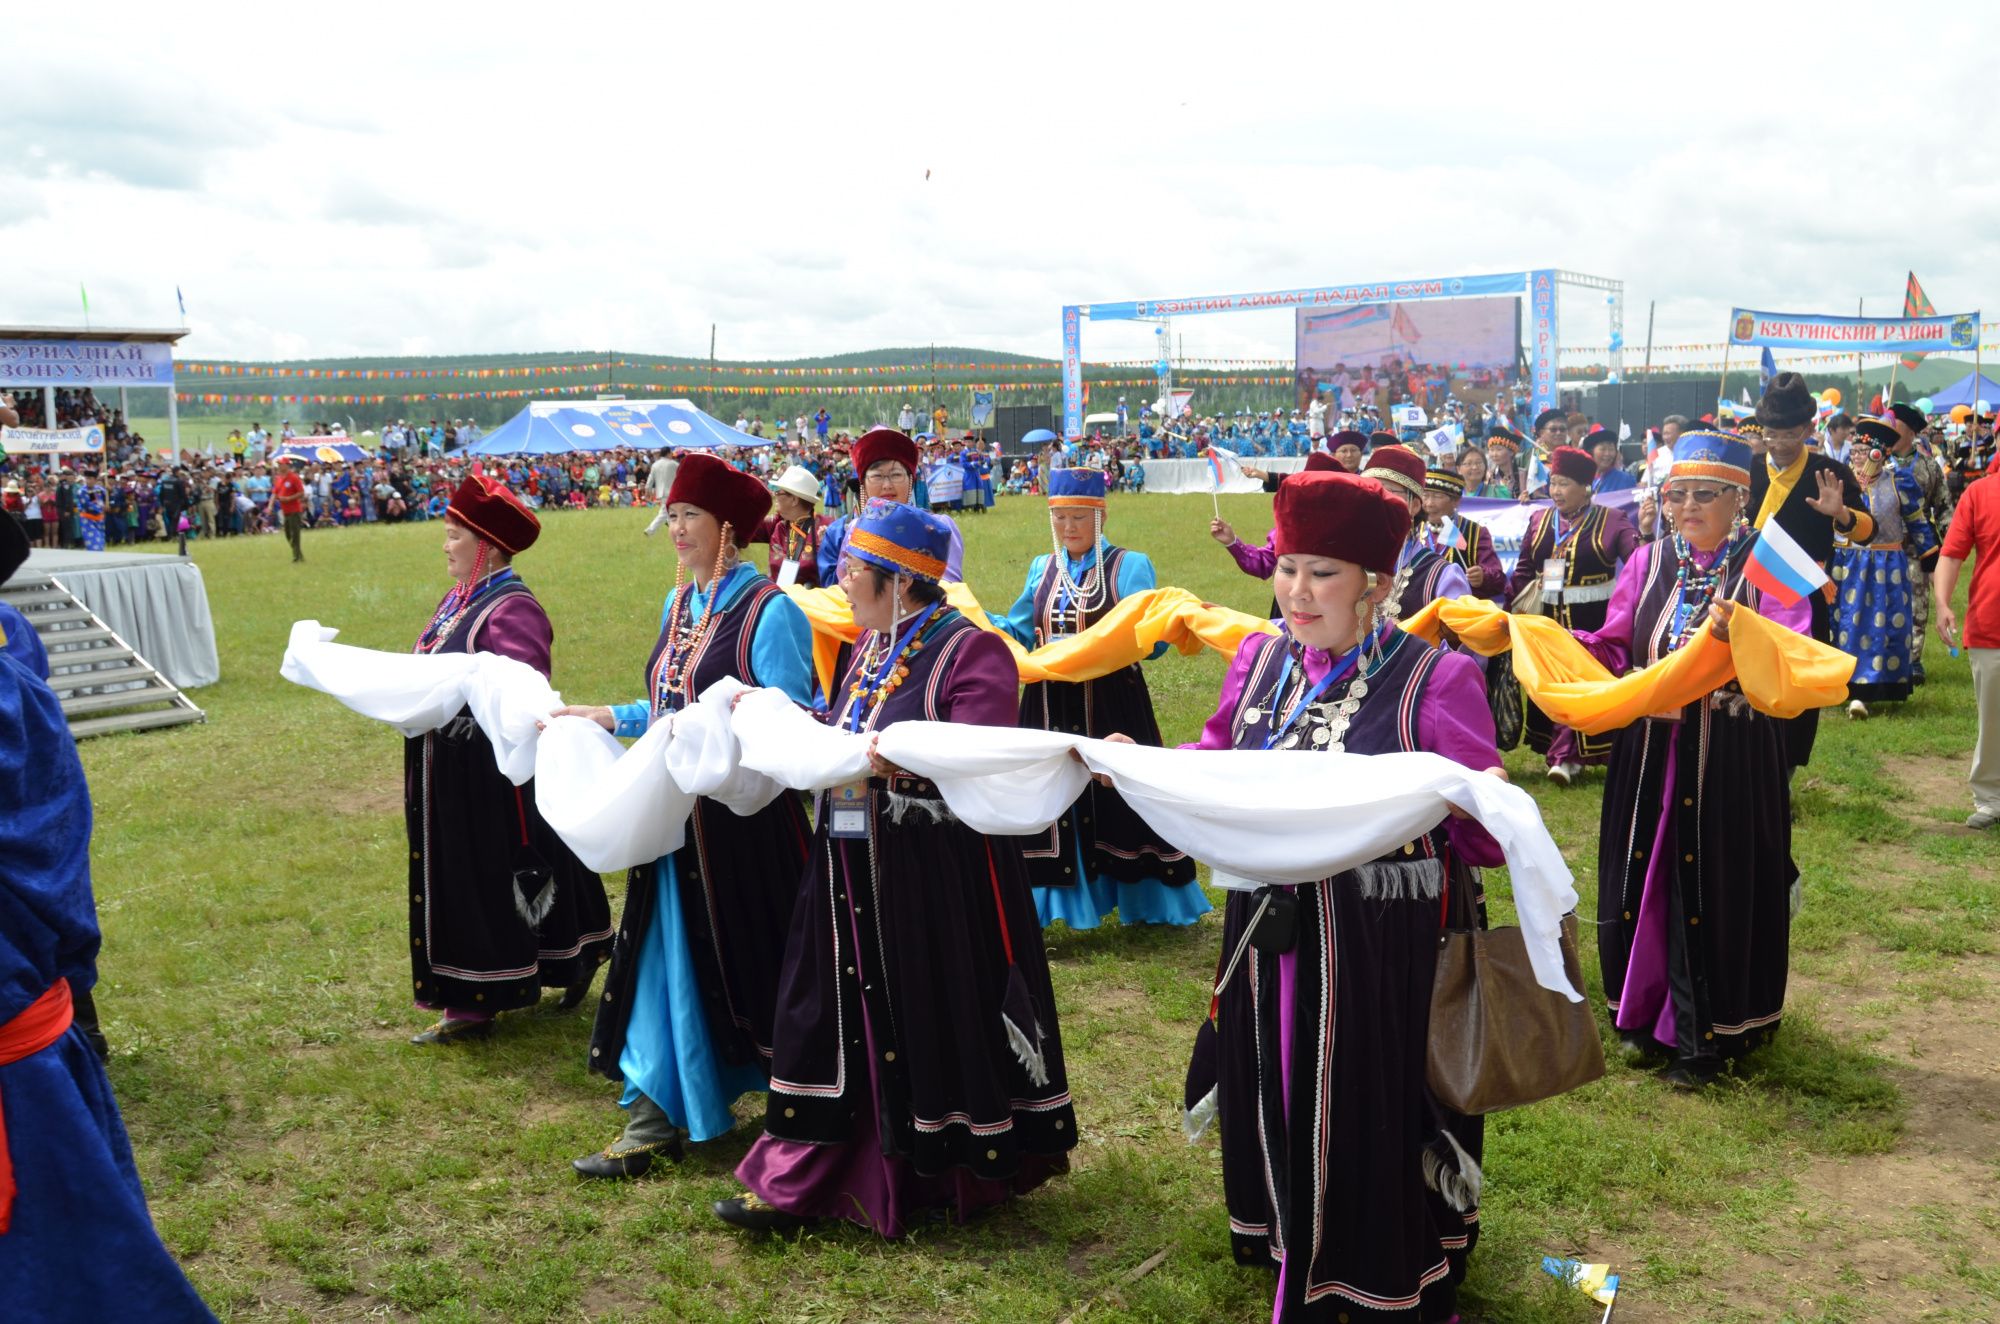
(38, 1026)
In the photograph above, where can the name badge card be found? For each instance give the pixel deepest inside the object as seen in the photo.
(847, 810)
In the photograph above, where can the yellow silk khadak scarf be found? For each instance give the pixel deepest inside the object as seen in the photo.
(1781, 672)
(1127, 633)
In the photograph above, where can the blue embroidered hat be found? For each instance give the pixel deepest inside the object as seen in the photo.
(1715, 455)
(1077, 487)
(901, 539)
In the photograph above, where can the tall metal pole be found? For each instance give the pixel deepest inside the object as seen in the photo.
(711, 367)
(1645, 417)
(1860, 379)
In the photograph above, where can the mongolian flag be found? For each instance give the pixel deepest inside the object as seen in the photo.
(1915, 304)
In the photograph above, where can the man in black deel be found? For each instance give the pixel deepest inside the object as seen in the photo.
(1811, 497)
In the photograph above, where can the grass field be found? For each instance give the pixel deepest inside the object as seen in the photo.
(307, 1163)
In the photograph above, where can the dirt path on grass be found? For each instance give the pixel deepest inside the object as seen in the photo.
(1910, 1234)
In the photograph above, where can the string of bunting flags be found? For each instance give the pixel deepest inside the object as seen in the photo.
(200, 368)
(196, 368)
(683, 388)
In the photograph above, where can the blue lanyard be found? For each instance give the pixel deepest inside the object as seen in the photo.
(1339, 668)
(1555, 517)
(854, 709)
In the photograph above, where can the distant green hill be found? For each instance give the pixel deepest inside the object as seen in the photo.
(726, 388)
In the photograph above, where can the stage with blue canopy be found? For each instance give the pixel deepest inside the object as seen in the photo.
(557, 427)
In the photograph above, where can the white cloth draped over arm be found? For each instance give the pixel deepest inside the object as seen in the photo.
(418, 693)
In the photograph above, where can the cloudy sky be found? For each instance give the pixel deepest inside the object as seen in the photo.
(824, 178)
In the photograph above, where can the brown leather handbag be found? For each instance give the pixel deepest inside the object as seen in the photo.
(1498, 1039)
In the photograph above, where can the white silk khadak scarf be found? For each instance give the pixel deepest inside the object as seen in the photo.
(1254, 816)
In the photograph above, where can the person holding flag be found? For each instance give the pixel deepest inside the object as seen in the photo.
(1099, 856)
(1875, 616)
(1463, 542)
(1813, 497)
(1693, 906)
(1569, 558)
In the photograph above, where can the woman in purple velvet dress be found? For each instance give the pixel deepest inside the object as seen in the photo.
(1338, 1164)
(916, 1064)
(1694, 868)
(499, 908)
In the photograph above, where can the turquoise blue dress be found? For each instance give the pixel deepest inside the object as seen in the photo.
(1115, 859)
(669, 1053)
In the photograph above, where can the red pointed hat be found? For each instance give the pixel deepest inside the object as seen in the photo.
(483, 504)
(884, 444)
(725, 492)
(1322, 462)
(1344, 516)
(1573, 463)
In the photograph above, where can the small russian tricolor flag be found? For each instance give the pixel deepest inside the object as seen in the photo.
(1223, 465)
(1780, 567)
(1449, 536)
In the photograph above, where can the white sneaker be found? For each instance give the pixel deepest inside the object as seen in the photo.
(1982, 818)
(1562, 773)
(1857, 710)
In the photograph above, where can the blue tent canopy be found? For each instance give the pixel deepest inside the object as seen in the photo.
(557, 427)
(1966, 392)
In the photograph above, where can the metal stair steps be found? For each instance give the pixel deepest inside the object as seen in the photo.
(66, 682)
(102, 682)
(157, 692)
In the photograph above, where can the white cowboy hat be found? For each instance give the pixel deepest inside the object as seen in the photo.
(799, 481)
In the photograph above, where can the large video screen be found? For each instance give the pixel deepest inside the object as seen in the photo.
(1379, 353)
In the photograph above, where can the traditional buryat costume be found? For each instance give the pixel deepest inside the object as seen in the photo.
(1463, 541)
(1875, 615)
(1338, 1164)
(1100, 855)
(1423, 575)
(1695, 848)
(872, 446)
(918, 1065)
(685, 1021)
(1784, 495)
(1575, 561)
(500, 908)
(795, 543)
(76, 1242)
